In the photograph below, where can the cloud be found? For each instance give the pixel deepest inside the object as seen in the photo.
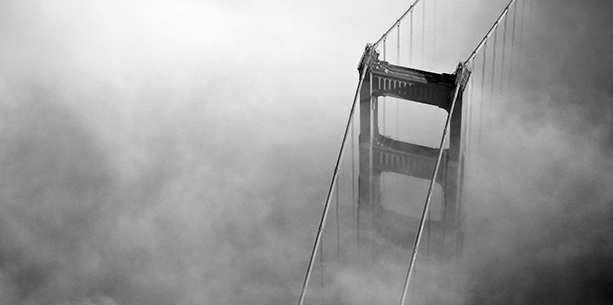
(172, 152)
(140, 167)
(540, 218)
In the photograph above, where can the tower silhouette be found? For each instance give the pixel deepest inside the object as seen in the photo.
(379, 154)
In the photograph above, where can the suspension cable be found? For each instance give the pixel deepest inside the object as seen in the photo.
(338, 226)
(482, 94)
(423, 35)
(384, 97)
(433, 56)
(529, 17)
(471, 106)
(512, 45)
(493, 66)
(442, 143)
(371, 135)
(504, 44)
(410, 9)
(398, 44)
(396, 102)
(411, 40)
(434, 32)
(353, 201)
(431, 188)
(321, 275)
(333, 182)
(530, 14)
(521, 26)
(329, 196)
(489, 33)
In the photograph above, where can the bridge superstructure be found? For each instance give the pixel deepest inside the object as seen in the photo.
(378, 153)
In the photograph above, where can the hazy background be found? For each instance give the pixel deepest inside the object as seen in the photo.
(178, 152)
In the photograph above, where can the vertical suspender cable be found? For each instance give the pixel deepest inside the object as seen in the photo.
(445, 10)
(459, 83)
(317, 239)
(410, 9)
(521, 27)
(353, 202)
(482, 94)
(486, 37)
(329, 196)
(396, 102)
(423, 35)
(371, 136)
(398, 44)
(483, 44)
(504, 43)
(512, 44)
(384, 98)
(321, 276)
(434, 32)
(493, 67)
(433, 56)
(385, 49)
(338, 227)
(529, 18)
(471, 107)
(411, 40)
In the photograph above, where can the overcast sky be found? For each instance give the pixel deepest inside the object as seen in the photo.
(178, 152)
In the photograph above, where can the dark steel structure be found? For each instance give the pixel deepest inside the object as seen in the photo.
(379, 153)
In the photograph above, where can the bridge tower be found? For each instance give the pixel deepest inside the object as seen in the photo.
(379, 153)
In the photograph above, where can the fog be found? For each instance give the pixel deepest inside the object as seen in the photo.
(158, 152)
(543, 187)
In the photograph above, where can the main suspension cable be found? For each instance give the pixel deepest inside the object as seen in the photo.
(472, 56)
(410, 9)
(349, 126)
(330, 189)
(489, 33)
(440, 151)
(437, 164)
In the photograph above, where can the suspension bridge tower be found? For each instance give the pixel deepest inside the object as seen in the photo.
(379, 153)
(380, 227)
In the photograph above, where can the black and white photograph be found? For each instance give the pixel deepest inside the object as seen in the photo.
(411, 152)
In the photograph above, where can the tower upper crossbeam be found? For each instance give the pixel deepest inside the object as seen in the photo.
(412, 84)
